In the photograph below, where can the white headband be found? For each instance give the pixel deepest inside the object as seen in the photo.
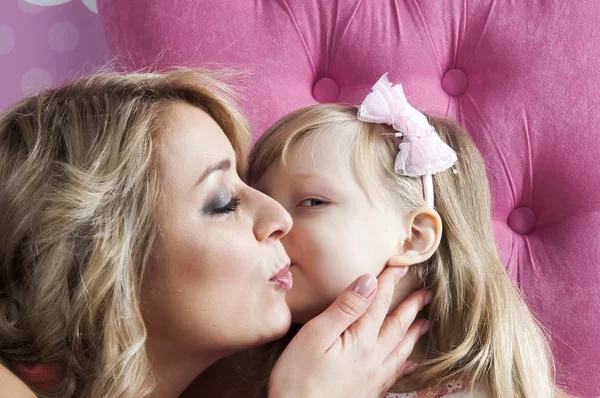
(422, 151)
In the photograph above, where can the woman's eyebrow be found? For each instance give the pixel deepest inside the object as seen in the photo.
(223, 165)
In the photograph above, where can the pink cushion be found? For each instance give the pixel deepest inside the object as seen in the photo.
(523, 77)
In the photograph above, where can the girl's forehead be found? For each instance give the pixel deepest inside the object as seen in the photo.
(322, 146)
(325, 155)
(319, 152)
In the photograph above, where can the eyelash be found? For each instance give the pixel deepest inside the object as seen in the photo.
(322, 202)
(230, 207)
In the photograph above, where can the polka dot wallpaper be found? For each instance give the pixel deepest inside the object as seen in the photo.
(47, 42)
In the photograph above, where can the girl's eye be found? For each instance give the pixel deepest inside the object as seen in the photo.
(227, 208)
(312, 202)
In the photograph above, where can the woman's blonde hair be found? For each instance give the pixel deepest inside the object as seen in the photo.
(80, 195)
(480, 326)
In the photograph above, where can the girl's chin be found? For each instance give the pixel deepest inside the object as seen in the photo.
(301, 316)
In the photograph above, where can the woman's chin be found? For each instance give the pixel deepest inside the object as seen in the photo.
(279, 322)
(282, 322)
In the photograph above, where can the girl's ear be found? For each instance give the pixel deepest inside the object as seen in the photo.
(424, 232)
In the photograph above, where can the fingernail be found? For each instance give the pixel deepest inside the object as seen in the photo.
(424, 328)
(365, 285)
(411, 369)
(402, 272)
(428, 298)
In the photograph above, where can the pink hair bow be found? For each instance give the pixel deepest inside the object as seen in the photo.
(422, 151)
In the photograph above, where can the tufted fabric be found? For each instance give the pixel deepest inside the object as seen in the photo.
(522, 76)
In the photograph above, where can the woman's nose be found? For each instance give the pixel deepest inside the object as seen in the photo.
(272, 220)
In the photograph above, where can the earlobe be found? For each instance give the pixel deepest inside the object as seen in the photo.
(424, 226)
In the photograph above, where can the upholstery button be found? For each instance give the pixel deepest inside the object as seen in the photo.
(522, 220)
(455, 82)
(326, 90)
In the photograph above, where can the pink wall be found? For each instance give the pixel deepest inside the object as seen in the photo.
(46, 42)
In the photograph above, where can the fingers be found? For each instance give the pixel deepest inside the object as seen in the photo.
(397, 364)
(368, 326)
(345, 310)
(397, 323)
(407, 368)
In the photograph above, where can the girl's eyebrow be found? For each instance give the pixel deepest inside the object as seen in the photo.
(307, 175)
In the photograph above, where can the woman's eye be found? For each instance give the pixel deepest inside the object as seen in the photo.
(227, 208)
(311, 202)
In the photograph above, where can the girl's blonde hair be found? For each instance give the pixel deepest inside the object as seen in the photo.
(480, 326)
(80, 211)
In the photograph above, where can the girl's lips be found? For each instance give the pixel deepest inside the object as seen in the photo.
(283, 279)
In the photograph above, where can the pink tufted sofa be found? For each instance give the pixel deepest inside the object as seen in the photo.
(522, 76)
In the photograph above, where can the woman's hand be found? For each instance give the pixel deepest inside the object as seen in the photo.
(353, 349)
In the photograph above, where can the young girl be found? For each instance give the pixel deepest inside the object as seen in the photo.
(384, 185)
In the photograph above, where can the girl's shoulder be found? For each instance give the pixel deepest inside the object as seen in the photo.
(447, 392)
(454, 389)
(431, 394)
(11, 386)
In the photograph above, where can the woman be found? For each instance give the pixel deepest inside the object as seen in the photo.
(132, 256)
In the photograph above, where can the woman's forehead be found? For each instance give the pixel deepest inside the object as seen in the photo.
(191, 141)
